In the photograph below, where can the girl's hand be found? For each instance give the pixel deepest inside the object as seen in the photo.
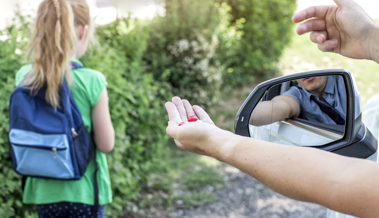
(344, 28)
(195, 137)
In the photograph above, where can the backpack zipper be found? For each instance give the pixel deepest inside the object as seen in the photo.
(42, 147)
(55, 152)
(74, 134)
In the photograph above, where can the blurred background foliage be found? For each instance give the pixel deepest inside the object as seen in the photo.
(181, 49)
(263, 29)
(197, 50)
(13, 41)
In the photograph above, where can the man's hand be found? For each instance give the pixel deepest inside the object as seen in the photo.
(192, 136)
(343, 28)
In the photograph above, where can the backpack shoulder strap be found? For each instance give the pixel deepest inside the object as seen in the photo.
(75, 65)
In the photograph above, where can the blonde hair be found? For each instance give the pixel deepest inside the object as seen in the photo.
(53, 44)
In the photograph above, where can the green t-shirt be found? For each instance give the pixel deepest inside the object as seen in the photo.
(88, 87)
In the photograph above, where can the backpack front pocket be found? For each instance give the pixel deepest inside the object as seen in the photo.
(41, 155)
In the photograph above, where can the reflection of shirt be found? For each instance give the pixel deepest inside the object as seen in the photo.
(334, 94)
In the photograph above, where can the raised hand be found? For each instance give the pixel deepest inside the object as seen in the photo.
(344, 28)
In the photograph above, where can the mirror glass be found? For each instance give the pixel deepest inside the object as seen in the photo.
(304, 112)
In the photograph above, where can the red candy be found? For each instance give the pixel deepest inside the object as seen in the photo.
(192, 118)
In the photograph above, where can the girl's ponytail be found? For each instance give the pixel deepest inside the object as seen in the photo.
(58, 28)
(52, 46)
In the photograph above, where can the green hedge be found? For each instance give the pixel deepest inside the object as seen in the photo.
(199, 45)
(265, 27)
(13, 41)
(181, 50)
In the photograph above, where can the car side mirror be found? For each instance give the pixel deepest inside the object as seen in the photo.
(320, 109)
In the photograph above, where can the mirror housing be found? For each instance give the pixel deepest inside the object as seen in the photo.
(357, 140)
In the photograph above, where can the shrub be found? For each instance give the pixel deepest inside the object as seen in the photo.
(13, 42)
(181, 50)
(265, 28)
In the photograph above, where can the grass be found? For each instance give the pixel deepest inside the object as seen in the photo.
(194, 199)
(182, 183)
(197, 179)
(303, 55)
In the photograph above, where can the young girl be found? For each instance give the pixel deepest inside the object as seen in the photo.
(62, 31)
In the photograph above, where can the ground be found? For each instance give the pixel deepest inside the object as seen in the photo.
(245, 197)
(241, 197)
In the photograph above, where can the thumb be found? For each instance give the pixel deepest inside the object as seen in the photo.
(172, 129)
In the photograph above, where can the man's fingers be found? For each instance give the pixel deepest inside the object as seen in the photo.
(180, 107)
(188, 108)
(202, 115)
(311, 25)
(318, 37)
(328, 46)
(345, 3)
(312, 12)
(173, 113)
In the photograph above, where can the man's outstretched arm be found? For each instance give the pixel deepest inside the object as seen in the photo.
(347, 185)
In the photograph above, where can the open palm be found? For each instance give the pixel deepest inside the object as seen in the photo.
(189, 135)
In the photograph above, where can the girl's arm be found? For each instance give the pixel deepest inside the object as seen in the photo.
(102, 124)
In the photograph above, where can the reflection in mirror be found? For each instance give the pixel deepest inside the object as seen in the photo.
(305, 112)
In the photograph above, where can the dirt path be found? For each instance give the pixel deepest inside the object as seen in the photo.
(245, 197)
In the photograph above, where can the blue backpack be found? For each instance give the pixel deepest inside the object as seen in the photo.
(49, 143)
(45, 142)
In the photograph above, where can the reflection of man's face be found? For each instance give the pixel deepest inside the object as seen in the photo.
(314, 85)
